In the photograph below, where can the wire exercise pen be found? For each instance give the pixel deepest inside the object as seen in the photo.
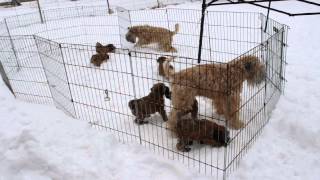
(50, 63)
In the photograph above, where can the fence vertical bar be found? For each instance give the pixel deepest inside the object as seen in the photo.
(265, 27)
(40, 13)
(281, 60)
(12, 44)
(227, 93)
(134, 91)
(68, 82)
(109, 9)
(204, 7)
(6, 79)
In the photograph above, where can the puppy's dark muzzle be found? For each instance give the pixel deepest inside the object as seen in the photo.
(129, 38)
(167, 93)
(222, 137)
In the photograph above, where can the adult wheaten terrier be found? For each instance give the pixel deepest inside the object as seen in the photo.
(220, 82)
(150, 34)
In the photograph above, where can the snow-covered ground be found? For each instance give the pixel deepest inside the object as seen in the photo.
(40, 142)
(288, 148)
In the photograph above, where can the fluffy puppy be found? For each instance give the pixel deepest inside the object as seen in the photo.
(165, 68)
(203, 131)
(98, 59)
(101, 49)
(150, 104)
(150, 34)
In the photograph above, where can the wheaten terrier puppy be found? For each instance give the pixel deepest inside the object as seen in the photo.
(150, 34)
(165, 68)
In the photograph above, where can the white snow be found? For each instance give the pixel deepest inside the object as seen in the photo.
(40, 142)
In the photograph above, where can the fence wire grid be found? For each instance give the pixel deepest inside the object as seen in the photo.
(49, 63)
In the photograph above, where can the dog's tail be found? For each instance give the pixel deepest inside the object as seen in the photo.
(176, 28)
(168, 68)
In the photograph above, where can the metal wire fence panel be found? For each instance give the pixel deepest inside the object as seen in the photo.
(226, 34)
(55, 71)
(24, 69)
(124, 21)
(224, 102)
(3, 28)
(137, 4)
(101, 95)
(275, 50)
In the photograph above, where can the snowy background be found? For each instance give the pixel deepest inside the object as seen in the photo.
(35, 146)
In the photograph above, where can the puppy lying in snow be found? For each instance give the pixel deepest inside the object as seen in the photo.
(203, 131)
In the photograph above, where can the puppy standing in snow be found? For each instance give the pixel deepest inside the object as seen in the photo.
(150, 104)
(150, 34)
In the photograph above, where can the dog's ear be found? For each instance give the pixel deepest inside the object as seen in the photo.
(153, 89)
(157, 88)
(248, 66)
(98, 44)
(161, 59)
(131, 104)
(167, 92)
(111, 47)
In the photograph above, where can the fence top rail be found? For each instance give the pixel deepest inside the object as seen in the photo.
(67, 9)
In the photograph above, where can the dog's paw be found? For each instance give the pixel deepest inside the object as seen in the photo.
(140, 122)
(186, 149)
(182, 147)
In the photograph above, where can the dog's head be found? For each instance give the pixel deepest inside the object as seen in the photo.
(110, 48)
(161, 89)
(130, 36)
(101, 49)
(161, 59)
(254, 69)
(132, 106)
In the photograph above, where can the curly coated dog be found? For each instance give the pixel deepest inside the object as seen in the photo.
(150, 34)
(150, 104)
(203, 131)
(221, 82)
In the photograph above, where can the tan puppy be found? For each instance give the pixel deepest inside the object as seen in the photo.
(150, 34)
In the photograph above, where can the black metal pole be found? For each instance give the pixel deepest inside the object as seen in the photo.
(109, 10)
(265, 27)
(204, 7)
(40, 12)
